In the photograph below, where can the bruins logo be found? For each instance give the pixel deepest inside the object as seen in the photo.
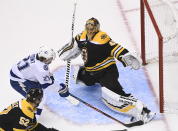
(103, 36)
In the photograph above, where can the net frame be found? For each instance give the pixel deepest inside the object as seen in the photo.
(144, 6)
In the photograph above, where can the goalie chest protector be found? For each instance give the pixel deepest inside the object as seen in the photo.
(97, 53)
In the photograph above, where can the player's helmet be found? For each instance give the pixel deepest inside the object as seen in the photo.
(34, 95)
(46, 53)
(92, 25)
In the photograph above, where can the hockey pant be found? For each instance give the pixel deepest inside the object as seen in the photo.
(106, 78)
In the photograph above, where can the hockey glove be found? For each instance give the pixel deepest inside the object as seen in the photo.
(63, 90)
(132, 61)
(69, 51)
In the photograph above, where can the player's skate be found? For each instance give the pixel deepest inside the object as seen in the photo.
(146, 116)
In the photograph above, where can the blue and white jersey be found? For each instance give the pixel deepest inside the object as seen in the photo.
(31, 69)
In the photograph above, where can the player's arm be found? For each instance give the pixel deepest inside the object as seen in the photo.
(124, 56)
(43, 75)
(8, 116)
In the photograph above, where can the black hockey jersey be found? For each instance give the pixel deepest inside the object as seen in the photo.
(19, 116)
(99, 53)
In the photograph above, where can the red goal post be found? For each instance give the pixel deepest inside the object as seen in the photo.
(158, 36)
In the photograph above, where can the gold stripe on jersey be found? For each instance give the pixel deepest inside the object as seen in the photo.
(27, 109)
(2, 129)
(99, 38)
(117, 51)
(113, 50)
(104, 64)
(123, 108)
(6, 111)
(14, 129)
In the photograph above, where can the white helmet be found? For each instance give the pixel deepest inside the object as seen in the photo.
(46, 53)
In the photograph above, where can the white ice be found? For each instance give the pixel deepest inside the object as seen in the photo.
(25, 25)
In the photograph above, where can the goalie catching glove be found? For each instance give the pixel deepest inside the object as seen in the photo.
(132, 61)
(69, 51)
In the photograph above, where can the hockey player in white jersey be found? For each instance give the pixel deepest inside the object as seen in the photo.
(33, 72)
(99, 52)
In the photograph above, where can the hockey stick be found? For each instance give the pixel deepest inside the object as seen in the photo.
(70, 98)
(137, 123)
(69, 61)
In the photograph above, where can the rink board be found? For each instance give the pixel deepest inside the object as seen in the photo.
(133, 81)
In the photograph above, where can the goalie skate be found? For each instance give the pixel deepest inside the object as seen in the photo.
(148, 117)
(145, 117)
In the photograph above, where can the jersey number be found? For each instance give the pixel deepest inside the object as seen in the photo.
(24, 121)
(23, 64)
(84, 54)
(26, 62)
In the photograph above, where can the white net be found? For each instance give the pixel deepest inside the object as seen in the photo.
(166, 18)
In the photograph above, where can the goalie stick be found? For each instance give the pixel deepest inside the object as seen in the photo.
(132, 124)
(71, 99)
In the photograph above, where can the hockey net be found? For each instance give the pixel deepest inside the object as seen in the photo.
(159, 38)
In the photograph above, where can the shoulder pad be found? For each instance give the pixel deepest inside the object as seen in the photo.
(81, 36)
(27, 109)
(101, 38)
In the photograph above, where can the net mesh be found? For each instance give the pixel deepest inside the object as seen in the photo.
(166, 18)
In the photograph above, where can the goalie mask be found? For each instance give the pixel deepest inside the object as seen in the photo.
(92, 25)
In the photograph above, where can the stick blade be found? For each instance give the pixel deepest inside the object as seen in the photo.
(137, 123)
(72, 100)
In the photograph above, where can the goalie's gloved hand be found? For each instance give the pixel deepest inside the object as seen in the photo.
(52, 129)
(132, 61)
(63, 90)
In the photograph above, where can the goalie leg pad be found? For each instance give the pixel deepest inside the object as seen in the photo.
(121, 104)
(77, 69)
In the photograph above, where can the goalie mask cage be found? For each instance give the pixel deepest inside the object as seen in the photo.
(159, 41)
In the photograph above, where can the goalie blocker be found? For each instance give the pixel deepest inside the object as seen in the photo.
(127, 105)
(69, 51)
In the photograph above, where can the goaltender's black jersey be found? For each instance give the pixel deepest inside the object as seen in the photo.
(99, 53)
(19, 116)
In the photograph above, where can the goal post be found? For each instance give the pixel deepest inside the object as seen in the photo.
(158, 37)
